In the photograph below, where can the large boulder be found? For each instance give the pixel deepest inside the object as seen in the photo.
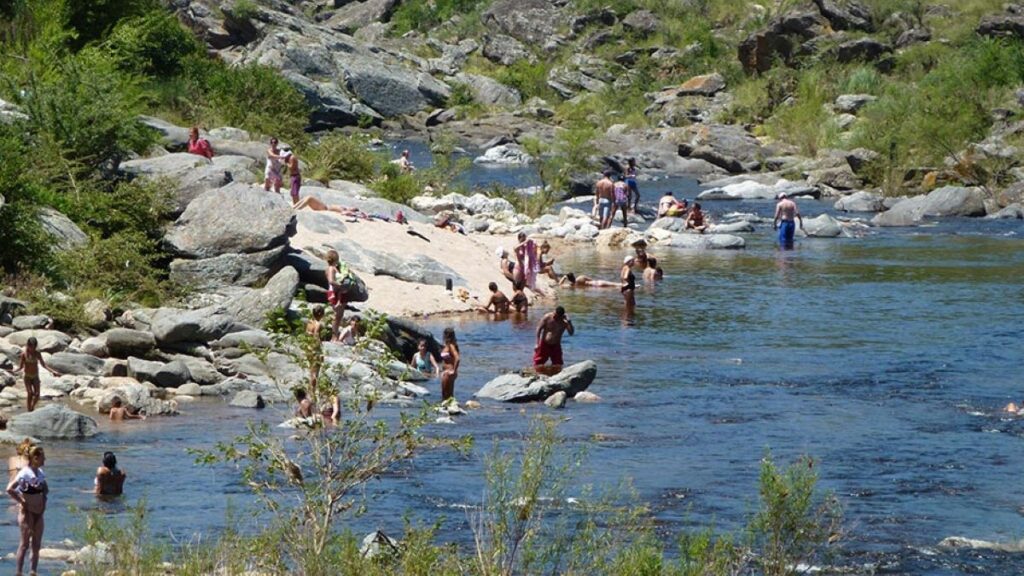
(505, 154)
(861, 49)
(642, 22)
(754, 190)
(192, 174)
(251, 309)
(228, 269)
(75, 364)
(704, 241)
(46, 340)
(846, 14)
(781, 40)
(248, 399)
(504, 50)
(125, 342)
(822, 226)
(861, 201)
(519, 388)
(729, 147)
(703, 85)
(488, 91)
(533, 22)
(392, 90)
(354, 15)
(64, 233)
(30, 322)
(1005, 25)
(942, 202)
(419, 268)
(173, 325)
(237, 218)
(54, 421)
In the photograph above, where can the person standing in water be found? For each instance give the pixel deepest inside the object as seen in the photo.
(30, 362)
(628, 279)
(450, 360)
(622, 196)
(29, 491)
(272, 171)
(786, 215)
(423, 361)
(604, 192)
(109, 478)
(634, 191)
(549, 337)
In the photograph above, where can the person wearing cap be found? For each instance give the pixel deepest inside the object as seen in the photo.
(506, 265)
(628, 279)
(604, 192)
(292, 162)
(786, 216)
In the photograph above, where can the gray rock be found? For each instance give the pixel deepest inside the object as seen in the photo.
(506, 154)
(248, 399)
(393, 91)
(75, 364)
(643, 22)
(419, 268)
(142, 370)
(225, 387)
(1013, 211)
(124, 342)
(822, 226)
(171, 136)
(1006, 25)
(237, 218)
(704, 85)
(136, 398)
(172, 325)
(860, 202)
(354, 15)
(64, 233)
(54, 421)
(488, 91)
(705, 241)
(840, 178)
(251, 309)
(354, 198)
(96, 313)
(753, 190)
(846, 14)
(256, 339)
(34, 322)
(519, 388)
(942, 202)
(171, 375)
(861, 49)
(228, 269)
(852, 103)
(556, 400)
(331, 105)
(534, 22)
(781, 40)
(860, 159)
(200, 371)
(729, 147)
(47, 340)
(732, 227)
(9, 307)
(911, 37)
(504, 50)
(191, 173)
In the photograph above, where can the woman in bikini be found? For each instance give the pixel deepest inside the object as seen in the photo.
(634, 191)
(29, 491)
(335, 293)
(628, 288)
(450, 359)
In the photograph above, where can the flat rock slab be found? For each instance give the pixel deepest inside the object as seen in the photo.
(54, 421)
(519, 388)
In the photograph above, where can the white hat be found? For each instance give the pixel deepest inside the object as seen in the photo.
(628, 259)
(501, 252)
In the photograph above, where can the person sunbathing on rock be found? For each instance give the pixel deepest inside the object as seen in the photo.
(314, 203)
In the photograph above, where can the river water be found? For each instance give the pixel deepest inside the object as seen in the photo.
(885, 357)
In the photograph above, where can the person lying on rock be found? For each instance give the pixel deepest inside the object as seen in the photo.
(119, 412)
(315, 204)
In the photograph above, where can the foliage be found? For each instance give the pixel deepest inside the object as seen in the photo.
(393, 185)
(805, 121)
(530, 78)
(94, 19)
(24, 244)
(155, 44)
(340, 156)
(141, 206)
(122, 267)
(129, 544)
(793, 525)
(245, 9)
(422, 15)
(461, 95)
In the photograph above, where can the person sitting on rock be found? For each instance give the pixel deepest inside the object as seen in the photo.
(199, 146)
(498, 301)
(119, 412)
(109, 478)
(669, 207)
(506, 265)
(696, 221)
(349, 333)
(547, 266)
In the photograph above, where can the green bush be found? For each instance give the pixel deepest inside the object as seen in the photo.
(141, 206)
(24, 244)
(94, 19)
(341, 156)
(252, 97)
(121, 268)
(531, 79)
(461, 95)
(806, 122)
(395, 186)
(423, 15)
(154, 44)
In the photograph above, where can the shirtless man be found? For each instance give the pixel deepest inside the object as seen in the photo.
(119, 412)
(785, 214)
(31, 360)
(695, 220)
(604, 193)
(498, 300)
(549, 337)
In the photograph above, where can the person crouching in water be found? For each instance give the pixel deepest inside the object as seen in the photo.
(109, 478)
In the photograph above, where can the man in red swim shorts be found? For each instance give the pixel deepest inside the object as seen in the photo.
(549, 337)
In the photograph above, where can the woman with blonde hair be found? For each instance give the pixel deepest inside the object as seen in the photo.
(20, 459)
(29, 490)
(335, 292)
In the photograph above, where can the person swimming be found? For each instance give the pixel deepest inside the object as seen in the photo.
(571, 280)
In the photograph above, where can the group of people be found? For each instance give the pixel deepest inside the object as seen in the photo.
(28, 488)
(612, 197)
(277, 160)
(694, 217)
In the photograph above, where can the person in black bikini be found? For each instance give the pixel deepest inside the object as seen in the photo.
(628, 281)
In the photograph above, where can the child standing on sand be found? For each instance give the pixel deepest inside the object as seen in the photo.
(31, 360)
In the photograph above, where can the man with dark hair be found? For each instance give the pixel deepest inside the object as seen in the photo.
(498, 300)
(604, 192)
(549, 337)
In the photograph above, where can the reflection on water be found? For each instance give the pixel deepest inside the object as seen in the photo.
(886, 358)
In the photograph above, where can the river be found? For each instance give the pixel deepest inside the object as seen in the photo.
(885, 357)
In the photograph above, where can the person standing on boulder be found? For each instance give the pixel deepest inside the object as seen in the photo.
(549, 337)
(272, 172)
(634, 191)
(294, 172)
(31, 360)
(604, 192)
(786, 215)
